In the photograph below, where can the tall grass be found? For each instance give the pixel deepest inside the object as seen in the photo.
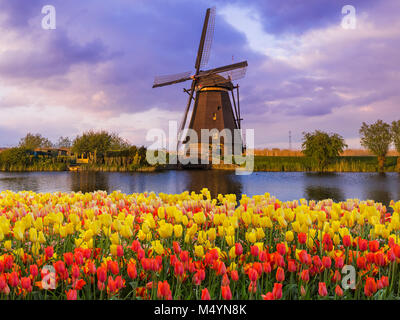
(341, 164)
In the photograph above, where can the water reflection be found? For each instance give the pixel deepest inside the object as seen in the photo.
(321, 193)
(380, 188)
(217, 181)
(89, 181)
(283, 185)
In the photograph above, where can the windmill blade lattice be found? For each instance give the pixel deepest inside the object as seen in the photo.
(164, 80)
(208, 39)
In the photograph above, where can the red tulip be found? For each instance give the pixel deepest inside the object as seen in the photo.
(3, 282)
(363, 244)
(75, 271)
(71, 294)
(383, 282)
(91, 267)
(184, 256)
(176, 247)
(263, 256)
(379, 259)
(101, 274)
(370, 257)
(302, 237)
(205, 295)
(136, 245)
(396, 250)
(78, 258)
(120, 283)
(317, 262)
(238, 249)
(253, 274)
(322, 291)
(268, 296)
(120, 251)
(101, 285)
(221, 268)
(373, 245)
(267, 267)
(280, 275)
(111, 285)
(13, 279)
(49, 251)
(132, 272)
(252, 287)
(326, 262)
(225, 280)
(178, 268)
(68, 258)
(361, 263)
(226, 292)
(339, 263)
(337, 276)
(33, 270)
(234, 275)
(292, 265)
(26, 284)
(305, 275)
(370, 287)
(277, 291)
(78, 284)
(346, 241)
(113, 267)
(140, 254)
(258, 267)
(254, 251)
(338, 291)
(281, 248)
(327, 241)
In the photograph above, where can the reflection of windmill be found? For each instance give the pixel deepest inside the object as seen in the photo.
(212, 106)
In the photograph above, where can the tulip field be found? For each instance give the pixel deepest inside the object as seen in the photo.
(92, 246)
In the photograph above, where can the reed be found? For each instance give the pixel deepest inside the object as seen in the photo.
(341, 164)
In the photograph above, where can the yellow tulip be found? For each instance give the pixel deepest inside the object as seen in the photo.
(199, 251)
(289, 236)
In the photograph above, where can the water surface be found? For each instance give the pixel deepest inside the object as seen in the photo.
(381, 187)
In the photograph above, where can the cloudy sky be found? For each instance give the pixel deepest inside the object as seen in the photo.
(96, 69)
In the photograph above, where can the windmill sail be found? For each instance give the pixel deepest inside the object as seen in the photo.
(208, 39)
(166, 80)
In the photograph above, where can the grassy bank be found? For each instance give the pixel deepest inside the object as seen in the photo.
(341, 164)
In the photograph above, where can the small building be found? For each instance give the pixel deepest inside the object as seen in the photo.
(54, 152)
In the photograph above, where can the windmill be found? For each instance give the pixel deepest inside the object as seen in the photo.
(210, 90)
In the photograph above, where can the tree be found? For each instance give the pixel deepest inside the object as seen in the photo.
(98, 143)
(322, 147)
(14, 157)
(118, 143)
(33, 141)
(64, 142)
(396, 138)
(377, 138)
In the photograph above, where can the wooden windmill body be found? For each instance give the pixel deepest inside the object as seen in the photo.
(212, 91)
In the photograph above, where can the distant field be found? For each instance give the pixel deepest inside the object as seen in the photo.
(275, 152)
(342, 164)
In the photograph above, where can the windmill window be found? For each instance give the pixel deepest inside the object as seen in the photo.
(219, 108)
(214, 116)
